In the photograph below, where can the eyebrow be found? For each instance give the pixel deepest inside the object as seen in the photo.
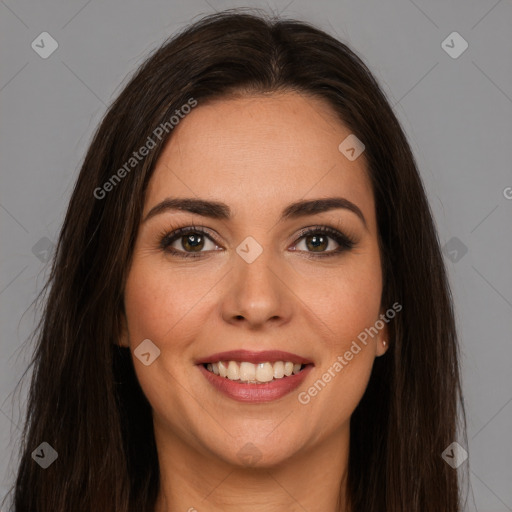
(221, 211)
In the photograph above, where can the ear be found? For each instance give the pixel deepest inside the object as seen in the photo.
(383, 336)
(123, 340)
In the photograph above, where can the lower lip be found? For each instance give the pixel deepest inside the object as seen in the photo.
(255, 393)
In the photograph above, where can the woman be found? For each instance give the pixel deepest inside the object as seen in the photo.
(248, 308)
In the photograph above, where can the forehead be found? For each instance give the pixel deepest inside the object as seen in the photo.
(260, 152)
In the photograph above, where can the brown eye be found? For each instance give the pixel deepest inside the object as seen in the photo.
(317, 241)
(187, 242)
(193, 242)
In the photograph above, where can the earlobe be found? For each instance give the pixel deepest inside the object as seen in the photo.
(382, 347)
(383, 341)
(123, 340)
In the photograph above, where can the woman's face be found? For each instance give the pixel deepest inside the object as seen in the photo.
(254, 282)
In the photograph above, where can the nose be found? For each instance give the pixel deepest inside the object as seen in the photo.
(258, 294)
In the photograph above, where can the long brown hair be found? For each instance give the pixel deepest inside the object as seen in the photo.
(85, 400)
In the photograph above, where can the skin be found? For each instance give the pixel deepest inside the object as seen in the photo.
(257, 154)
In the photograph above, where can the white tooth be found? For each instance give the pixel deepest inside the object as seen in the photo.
(247, 371)
(278, 370)
(223, 369)
(233, 371)
(264, 372)
(251, 373)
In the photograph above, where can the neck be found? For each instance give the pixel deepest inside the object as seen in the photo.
(193, 481)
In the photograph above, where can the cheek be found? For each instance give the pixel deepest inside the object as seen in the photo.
(346, 312)
(158, 300)
(346, 300)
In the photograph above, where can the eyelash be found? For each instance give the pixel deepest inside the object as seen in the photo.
(345, 242)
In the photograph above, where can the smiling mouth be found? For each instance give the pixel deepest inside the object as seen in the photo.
(248, 373)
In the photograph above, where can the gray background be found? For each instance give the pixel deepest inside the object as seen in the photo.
(457, 113)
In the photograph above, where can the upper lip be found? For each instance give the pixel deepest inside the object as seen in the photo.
(254, 357)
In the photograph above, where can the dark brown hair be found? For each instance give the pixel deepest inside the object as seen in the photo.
(85, 400)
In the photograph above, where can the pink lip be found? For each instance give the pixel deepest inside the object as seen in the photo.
(254, 357)
(255, 393)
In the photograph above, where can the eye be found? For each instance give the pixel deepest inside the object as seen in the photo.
(190, 238)
(316, 240)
